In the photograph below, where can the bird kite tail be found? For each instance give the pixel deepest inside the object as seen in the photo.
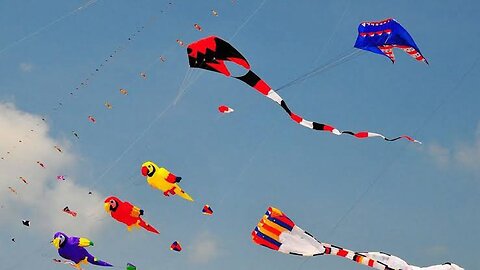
(183, 194)
(148, 227)
(354, 256)
(94, 261)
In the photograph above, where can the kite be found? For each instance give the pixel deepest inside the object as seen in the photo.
(23, 179)
(278, 232)
(143, 75)
(383, 36)
(180, 42)
(127, 213)
(58, 148)
(13, 190)
(210, 53)
(214, 13)
(73, 249)
(70, 212)
(394, 262)
(207, 210)
(26, 222)
(131, 267)
(41, 164)
(75, 134)
(161, 178)
(13, 240)
(175, 246)
(61, 177)
(163, 59)
(198, 27)
(108, 105)
(124, 91)
(225, 109)
(91, 119)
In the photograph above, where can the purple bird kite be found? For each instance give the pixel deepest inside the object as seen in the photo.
(73, 249)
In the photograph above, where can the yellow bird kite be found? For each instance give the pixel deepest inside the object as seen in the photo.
(161, 178)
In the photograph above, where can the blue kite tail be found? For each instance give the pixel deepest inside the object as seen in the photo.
(94, 260)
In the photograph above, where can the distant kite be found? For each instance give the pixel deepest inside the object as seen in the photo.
(207, 210)
(70, 212)
(225, 109)
(13, 190)
(198, 27)
(91, 119)
(41, 164)
(175, 246)
(180, 42)
(23, 180)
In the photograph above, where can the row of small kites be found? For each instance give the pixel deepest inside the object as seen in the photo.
(85, 82)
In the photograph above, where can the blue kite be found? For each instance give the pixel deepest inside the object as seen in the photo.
(383, 36)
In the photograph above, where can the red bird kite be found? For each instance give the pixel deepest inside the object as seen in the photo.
(127, 214)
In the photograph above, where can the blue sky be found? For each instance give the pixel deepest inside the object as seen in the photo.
(419, 202)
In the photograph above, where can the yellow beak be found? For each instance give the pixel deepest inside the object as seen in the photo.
(56, 243)
(107, 207)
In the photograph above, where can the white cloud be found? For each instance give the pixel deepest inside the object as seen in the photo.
(204, 248)
(465, 155)
(468, 155)
(43, 199)
(26, 67)
(440, 154)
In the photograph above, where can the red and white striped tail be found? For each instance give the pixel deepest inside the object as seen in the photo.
(388, 51)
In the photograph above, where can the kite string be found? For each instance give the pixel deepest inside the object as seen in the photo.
(247, 20)
(349, 55)
(31, 34)
(335, 29)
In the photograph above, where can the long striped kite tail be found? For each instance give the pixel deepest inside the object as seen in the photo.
(354, 256)
(367, 134)
(261, 86)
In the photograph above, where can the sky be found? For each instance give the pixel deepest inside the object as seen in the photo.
(418, 202)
